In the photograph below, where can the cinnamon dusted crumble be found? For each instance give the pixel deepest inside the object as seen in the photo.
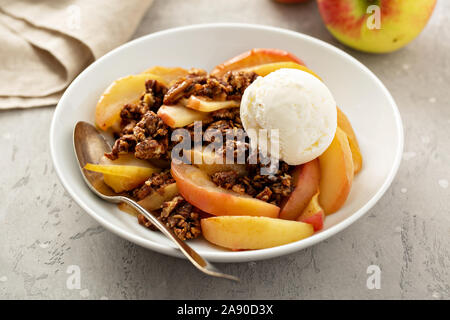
(148, 138)
(230, 87)
(180, 216)
(269, 188)
(154, 95)
(265, 194)
(125, 144)
(225, 179)
(140, 124)
(150, 100)
(238, 81)
(155, 183)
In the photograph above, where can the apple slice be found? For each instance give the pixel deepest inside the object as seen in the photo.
(122, 178)
(168, 74)
(210, 162)
(253, 58)
(264, 69)
(154, 200)
(207, 105)
(120, 92)
(313, 214)
(180, 116)
(124, 173)
(117, 170)
(306, 179)
(336, 173)
(345, 125)
(198, 189)
(246, 232)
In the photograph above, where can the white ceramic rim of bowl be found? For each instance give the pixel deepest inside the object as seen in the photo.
(236, 256)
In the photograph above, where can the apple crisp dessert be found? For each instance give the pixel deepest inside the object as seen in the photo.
(182, 152)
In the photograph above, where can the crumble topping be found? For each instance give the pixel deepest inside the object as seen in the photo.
(180, 216)
(230, 87)
(268, 188)
(140, 124)
(155, 183)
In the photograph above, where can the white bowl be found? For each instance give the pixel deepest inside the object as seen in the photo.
(358, 92)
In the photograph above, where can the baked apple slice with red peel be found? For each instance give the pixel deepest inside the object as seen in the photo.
(264, 69)
(313, 214)
(253, 58)
(198, 189)
(306, 178)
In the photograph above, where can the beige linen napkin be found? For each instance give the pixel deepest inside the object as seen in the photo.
(44, 44)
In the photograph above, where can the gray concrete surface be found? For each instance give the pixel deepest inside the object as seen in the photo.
(43, 232)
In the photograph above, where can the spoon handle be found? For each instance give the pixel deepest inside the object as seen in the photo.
(190, 253)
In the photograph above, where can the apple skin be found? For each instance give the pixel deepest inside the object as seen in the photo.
(401, 22)
(316, 220)
(336, 173)
(264, 69)
(252, 58)
(197, 188)
(306, 183)
(345, 125)
(313, 214)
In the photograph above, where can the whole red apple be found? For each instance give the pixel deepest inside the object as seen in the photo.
(375, 25)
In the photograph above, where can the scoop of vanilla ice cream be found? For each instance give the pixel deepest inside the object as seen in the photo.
(296, 103)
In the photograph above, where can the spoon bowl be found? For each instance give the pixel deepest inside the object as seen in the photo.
(90, 146)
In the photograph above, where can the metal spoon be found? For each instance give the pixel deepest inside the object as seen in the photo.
(90, 146)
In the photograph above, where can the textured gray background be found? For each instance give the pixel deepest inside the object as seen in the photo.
(42, 231)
